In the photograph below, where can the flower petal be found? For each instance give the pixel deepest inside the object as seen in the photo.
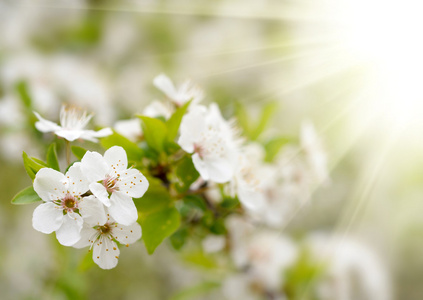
(123, 209)
(70, 231)
(100, 192)
(50, 184)
(105, 253)
(163, 83)
(47, 217)
(192, 127)
(133, 183)
(92, 211)
(91, 135)
(127, 234)
(116, 158)
(44, 125)
(69, 134)
(88, 234)
(78, 183)
(94, 166)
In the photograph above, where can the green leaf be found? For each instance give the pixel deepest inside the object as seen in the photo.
(155, 132)
(159, 225)
(185, 173)
(175, 121)
(200, 259)
(266, 114)
(178, 238)
(26, 196)
(273, 147)
(194, 292)
(79, 152)
(51, 159)
(243, 119)
(156, 198)
(134, 152)
(22, 89)
(32, 165)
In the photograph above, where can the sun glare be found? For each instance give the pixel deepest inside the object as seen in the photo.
(387, 34)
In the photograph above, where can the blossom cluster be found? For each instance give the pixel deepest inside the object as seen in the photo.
(91, 204)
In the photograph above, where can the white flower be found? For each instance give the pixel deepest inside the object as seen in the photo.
(72, 124)
(206, 134)
(185, 93)
(63, 199)
(113, 183)
(314, 152)
(354, 271)
(131, 129)
(213, 243)
(264, 254)
(158, 109)
(101, 238)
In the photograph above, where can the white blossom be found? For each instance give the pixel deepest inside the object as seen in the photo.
(63, 199)
(354, 271)
(72, 124)
(102, 237)
(113, 183)
(205, 133)
(131, 129)
(186, 92)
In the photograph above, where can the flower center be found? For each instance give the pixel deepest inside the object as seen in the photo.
(105, 228)
(72, 117)
(110, 183)
(69, 203)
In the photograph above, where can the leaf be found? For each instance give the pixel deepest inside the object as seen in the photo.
(243, 119)
(155, 132)
(200, 259)
(134, 152)
(178, 238)
(185, 173)
(273, 147)
(79, 152)
(159, 225)
(156, 198)
(32, 166)
(175, 121)
(51, 159)
(22, 89)
(194, 291)
(26, 196)
(266, 114)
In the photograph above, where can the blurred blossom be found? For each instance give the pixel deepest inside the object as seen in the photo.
(354, 271)
(131, 129)
(213, 243)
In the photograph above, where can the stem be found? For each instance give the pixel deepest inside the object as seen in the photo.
(68, 152)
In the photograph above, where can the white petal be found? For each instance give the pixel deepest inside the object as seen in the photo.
(163, 83)
(123, 209)
(78, 183)
(100, 192)
(69, 233)
(92, 211)
(133, 183)
(217, 170)
(88, 234)
(116, 158)
(131, 129)
(94, 166)
(50, 184)
(105, 253)
(91, 135)
(69, 134)
(44, 125)
(192, 128)
(47, 217)
(127, 234)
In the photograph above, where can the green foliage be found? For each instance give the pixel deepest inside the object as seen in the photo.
(159, 225)
(134, 152)
(155, 132)
(79, 152)
(155, 199)
(185, 173)
(51, 158)
(178, 239)
(273, 147)
(200, 259)
(194, 292)
(26, 196)
(302, 277)
(32, 165)
(251, 129)
(22, 90)
(175, 121)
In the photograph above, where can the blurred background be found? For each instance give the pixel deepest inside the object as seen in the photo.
(322, 61)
